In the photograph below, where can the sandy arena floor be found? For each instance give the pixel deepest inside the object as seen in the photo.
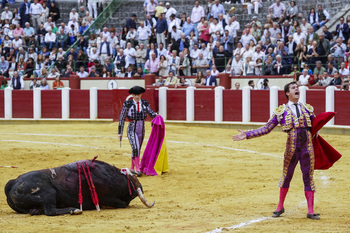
(213, 182)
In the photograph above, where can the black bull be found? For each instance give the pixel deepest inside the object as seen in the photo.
(56, 191)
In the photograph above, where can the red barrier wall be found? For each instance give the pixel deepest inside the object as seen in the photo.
(79, 104)
(176, 107)
(105, 99)
(204, 105)
(2, 104)
(260, 105)
(341, 99)
(51, 106)
(317, 98)
(232, 104)
(22, 104)
(282, 98)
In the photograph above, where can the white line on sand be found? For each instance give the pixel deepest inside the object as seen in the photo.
(59, 135)
(242, 224)
(54, 143)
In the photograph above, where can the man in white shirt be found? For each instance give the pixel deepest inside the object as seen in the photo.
(237, 66)
(17, 43)
(73, 14)
(106, 33)
(195, 52)
(130, 54)
(74, 22)
(258, 54)
(201, 64)
(246, 38)
(47, 25)
(143, 34)
(216, 27)
(343, 71)
(304, 26)
(298, 35)
(279, 10)
(175, 34)
(304, 78)
(63, 26)
(36, 11)
(196, 15)
(50, 39)
(162, 51)
(82, 73)
(6, 14)
(169, 10)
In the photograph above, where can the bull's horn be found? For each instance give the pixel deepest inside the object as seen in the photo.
(143, 199)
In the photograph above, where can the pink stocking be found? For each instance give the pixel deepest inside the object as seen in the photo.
(310, 201)
(283, 193)
(132, 164)
(137, 163)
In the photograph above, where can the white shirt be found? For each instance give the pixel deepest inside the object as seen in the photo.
(17, 43)
(236, 66)
(143, 33)
(71, 15)
(197, 14)
(163, 52)
(169, 12)
(36, 9)
(293, 107)
(173, 23)
(83, 75)
(304, 80)
(246, 38)
(6, 15)
(277, 9)
(344, 71)
(50, 37)
(257, 55)
(128, 53)
(76, 25)
(176, 35)
(297, 37)
(214, 28)
(14, 84)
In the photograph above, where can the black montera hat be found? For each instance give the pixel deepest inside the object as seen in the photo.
(137, 90)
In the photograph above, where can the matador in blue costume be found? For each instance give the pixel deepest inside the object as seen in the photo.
(295, 119)
(136, 110)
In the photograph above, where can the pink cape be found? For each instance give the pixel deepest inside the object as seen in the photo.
(153, 147)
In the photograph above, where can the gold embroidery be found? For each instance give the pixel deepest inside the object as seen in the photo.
(309, 107)
(279, 110)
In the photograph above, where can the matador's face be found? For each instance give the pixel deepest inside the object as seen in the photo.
(293, 94)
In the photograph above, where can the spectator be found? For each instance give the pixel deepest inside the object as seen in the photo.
(183, 82)
(105, 50)
(311, 18)
(188, 27)
(327, 34)
(92, 5)
(17, 82)
(304, 78)
(36, 11)
(160, 81)
(339, 49)
(57, 84)
(4, 66)
(34, 84)
(216, 27)
(279, 10)
(337, 80)
(196, 15)
(304, 26)
(343, 71)
(342, 29)
(227, 41)
(129, 73)
(53, 74)
(322, 17)
(248, 67)
(141, 56)
(183, 65)
(82, 73)
(292, 12)
(269, 66)
(209, 79)
(143, 34)
(246, 38)
(44, 85)
(265, 84)
(54, 12)
(163, 66)
(204, 32)
(24, 12)
(68, 72)
(216, 9)
(6, 15)
(121, 61)
(318, 71)
(169, 11)
(152, 64)
(50, 39)
(161, 28)
(171, 80)
(324, 79)
(256, 4)
(312, 35)
(251, 84)
(330, 68)
(313, 55)
(279, 66)
(200, 79)
(324, 47)
(139, 73)
(61, 39)
(201, 64)
(258, 67)
(237, 86)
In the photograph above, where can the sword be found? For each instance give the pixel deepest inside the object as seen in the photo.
(120, 143)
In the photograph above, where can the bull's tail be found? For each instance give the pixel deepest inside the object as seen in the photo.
(8, 190)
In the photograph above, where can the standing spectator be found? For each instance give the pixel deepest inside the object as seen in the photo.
(324, 46)
(327, 34)
(16, 82)
(141, 56)
(159, 9)
(92, 5)
(204, 32)
(161, 28)
(131, 37)
(246, 38)
(105, 50)
(220, 59)
(255, 4)
(152, 64)
(339, 50)
(237, 66)
(216, 27)
(318, 71)
(24, 12)
(196, 15)
(322, 17)
(61, 39)
(188, 27)
(183, 65)
(342, 29)
(151, 8)
(130, 54)
(131, 23)
(36, 11)
(201, 64)
(143, 34)
(169, 11)
(216, 9)
(278, 66)
(279, 10)
(311, 34)
(163, 66)
(268, 66)
(297, 36)
(54, 12)
(4, 66)
(227, 41)
(313, 54)
(183, 42)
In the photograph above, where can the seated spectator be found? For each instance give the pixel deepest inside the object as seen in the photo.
(258, 67)
(60, 65)
(171, 80)
(53, 74)
(210, 80)
(129, 72)
(54, 12)
(34, 84)
(251, 84)
(342, 70)
(18, 31)
(29, 68)
(61, 39)
(57, 84)
(93, 73)
(322, 17)
(82, 73)
(279, 10)
(139, 73)
(304, 25)
(319, 70)
(269, 66)
(324, 79)
(73, 14)
(159, 82)
(311, 18)
(152, 64)
(28, 32)
(339, 49)
(292, 12)
(200, 79)
(68, 72)
(188, 27)
(342, 29)
(50, 39)
(4, 66)
(237, 66)
(183, 82)
(82, 58)
(248, 67)
(110, 66)
(44, 73)
(313, 54)
(278, 66)
(337, 80)
(121, 73)
(44, 85)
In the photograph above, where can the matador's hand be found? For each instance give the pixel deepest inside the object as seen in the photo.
(120, 136)
(240, 136)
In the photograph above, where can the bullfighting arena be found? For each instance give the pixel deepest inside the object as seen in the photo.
(214, 184)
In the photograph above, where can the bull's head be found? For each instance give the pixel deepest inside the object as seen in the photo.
(138, 187)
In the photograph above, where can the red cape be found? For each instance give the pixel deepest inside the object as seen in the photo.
(325, 154)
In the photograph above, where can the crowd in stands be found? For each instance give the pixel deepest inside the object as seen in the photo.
(36, 43)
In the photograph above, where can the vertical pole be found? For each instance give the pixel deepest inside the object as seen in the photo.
(246, 104)
(162, 102)
(302, 94)
(65, 102)
(190, 103)
(36, 103)
(330, 102)
(219, 103)
(273, 98)
(93, 103)
(8, 102)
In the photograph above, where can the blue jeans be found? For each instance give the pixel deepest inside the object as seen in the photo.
(316, 27)
(50, 44)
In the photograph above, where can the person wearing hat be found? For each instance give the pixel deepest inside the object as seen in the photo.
(136, 110)
(169, 11)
